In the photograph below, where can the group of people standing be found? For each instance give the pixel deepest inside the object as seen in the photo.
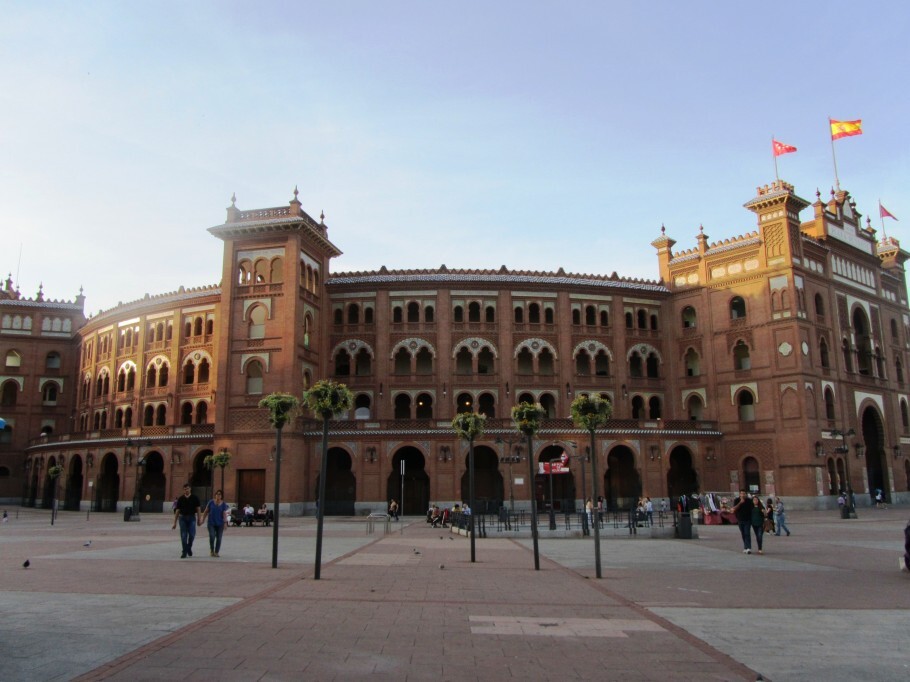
(188, 513)
(753, 516)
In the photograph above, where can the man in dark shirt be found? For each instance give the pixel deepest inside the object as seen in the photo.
(743, 511)
(187, 513)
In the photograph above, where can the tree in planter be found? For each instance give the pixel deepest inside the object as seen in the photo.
(469, 426)
(54, 473)
(221, 460)
(325, 399)
(591, 413)
(282, 408)
(527, 418)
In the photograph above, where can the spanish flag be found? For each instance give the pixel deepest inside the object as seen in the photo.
(841, 129)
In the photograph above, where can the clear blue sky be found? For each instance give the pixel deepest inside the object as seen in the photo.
(475, 134)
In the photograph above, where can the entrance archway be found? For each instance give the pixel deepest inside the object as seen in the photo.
(340, 484)
(416, 481)
(682, 479)
(751, 476)
(622, 481)
(563, 481)
(49, 484)
(876, 464)
(73, 496)
(488, 484)
(108, 486)
(153, 484)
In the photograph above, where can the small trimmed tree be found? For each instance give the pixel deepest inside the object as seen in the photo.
(54, 473)
(220, 460)
(282, 408)
(469, 426)
(591, 413)
(527, 418)
(325, 399)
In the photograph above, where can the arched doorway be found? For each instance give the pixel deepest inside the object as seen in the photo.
(152, 483)
(488, 484)
(108, 486)
(416, 481)
(682, 479)
(33, 485)
(74, 485)
(340, 484)
(751, 476)
(622, 481)
(876, 464)
(201, 479)
(562, 479)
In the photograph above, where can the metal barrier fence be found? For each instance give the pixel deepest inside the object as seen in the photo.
(385, 519)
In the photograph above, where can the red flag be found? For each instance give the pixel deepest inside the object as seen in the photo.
(884, 212)
(841, 129)
(781, 148)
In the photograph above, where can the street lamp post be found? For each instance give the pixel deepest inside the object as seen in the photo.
(845, 450)
(513, 457)
(552, 508)
(584, 505)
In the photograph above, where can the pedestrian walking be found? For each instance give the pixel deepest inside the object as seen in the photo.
(743, 511)
(905, 560)
(780, 517)
(649, 510)
(393, 509)
(187, 514)
(759, 519)
(771, 526)
(215, 511)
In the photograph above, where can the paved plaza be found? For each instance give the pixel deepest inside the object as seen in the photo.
(827, 603)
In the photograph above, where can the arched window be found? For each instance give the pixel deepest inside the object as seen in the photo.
(210, 326)
(737, 308)
(490, 314)
(823, 356)
(905, 415)
(894, 329)
(49, 393)
(202, 412)
(148, 418)
(689, 317)
(257, 322)
(203, 377)
(413, 312)
(276, 272)
(428, 314)
(186, 413)
(163, 375)
(548, 316)
(254, 378)
(486, 404)
(654, 408)
(652, 365)
(463, 361)
(519, 315)
(197, 326)
(9, 393)
(602, 364)
(368, 315)
(899, 371)
(545, 362)
(424, 406)
(342, 363)
(338, 316)
(819, 306)
(583, 364)
(402, 406)
(848, 356)
(693, 363)
(630, 320)
(118, 418)
(576, 317)
(353, 314)
(590, 315)
(642, 319)
(52, 361)
(402, 361)
(525, 361)
(473, 311)
(741, 357)
(695, 407)
(638, 407)
(604, 318)
(486, 361)
(363, 363)
(548, 403)
(128, 417)
(635, 366)
(362, 406)
(534, 313)
(829, 405)
(653, 320)
(746, 403)
(464, 403)
(189, 372)
(458, 314)
(397, 315)
(423, 361)
(261, 271)
(161, 416)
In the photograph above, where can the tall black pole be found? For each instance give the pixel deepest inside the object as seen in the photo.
(593, 498)
(532, 486)
(471, 493)
(320, 503)
(277, 491)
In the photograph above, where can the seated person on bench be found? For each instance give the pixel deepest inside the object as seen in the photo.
(264, 514)
(248, 513)
(435, 517)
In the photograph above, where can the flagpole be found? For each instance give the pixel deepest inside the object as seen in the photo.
(776, 174)
(833, 156)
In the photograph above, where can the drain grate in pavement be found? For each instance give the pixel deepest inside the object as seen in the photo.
(560, 627)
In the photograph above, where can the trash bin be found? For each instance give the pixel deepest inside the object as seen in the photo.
(127, 513)
(845, 512)
(684, 529)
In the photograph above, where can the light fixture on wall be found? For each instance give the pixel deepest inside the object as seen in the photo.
(568, 390)
(897, 451)
(445, 454)
(175, 458)
(371, 454)
(90, 459)
(625, 392)
(444, 389)
(860, 450)
(380, 389)
(710, 455)
(655, 453)
(507, 389)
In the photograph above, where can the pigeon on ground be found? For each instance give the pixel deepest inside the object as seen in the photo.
(87, 544)
(441, 566)
(26, 564)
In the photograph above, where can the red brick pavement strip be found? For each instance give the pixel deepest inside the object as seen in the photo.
(414, 607)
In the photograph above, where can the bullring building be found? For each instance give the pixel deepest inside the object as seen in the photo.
(774, 361)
